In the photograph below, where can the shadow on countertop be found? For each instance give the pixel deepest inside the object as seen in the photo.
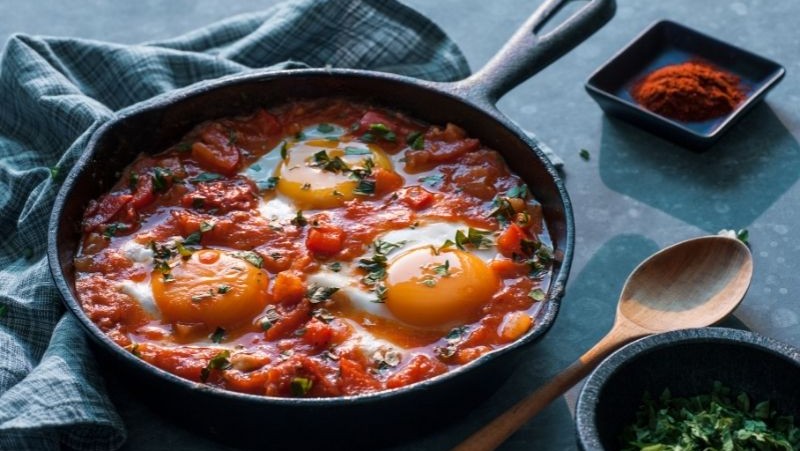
(728, 186)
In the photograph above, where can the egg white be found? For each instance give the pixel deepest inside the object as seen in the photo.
(422, 236)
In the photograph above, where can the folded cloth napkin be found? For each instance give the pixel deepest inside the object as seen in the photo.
(55, 92)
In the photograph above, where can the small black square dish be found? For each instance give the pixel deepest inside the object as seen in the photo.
(667, 43)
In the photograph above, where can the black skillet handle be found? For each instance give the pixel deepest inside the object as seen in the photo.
(527, 52)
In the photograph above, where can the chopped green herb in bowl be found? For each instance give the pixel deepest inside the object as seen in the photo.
(722, 420)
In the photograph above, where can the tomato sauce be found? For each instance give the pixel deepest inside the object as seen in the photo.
(272, 236)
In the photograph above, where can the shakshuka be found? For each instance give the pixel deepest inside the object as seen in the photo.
(320, 248)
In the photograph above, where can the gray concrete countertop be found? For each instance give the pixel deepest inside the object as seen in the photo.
(636, 193)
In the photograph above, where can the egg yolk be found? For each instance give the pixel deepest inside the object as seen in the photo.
(212, 288)
(315, 172)
(427, 289)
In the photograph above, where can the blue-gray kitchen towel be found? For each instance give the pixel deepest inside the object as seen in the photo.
(54, 92)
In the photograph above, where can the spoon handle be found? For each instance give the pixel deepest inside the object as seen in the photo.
(496, 432)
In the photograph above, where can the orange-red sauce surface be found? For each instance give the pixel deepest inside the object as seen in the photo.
(320, 248)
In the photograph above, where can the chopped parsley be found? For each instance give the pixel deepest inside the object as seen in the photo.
(205, 177)
(218, 335)
(271, 316)
(432, 180)
(193, 238)
(537, 294)
(218, 362)
(479, 239)
(317, 294)
(335, 266)
(269, 184)
(584, 154)
(161, 179)
(383, 131)
(743, 235)
(306, 187)
(300, 386)
(284, 150)
(3, 310)
(503, 211)
(185, 252)
(323, 315)
(519, 191)
(324, 128)
(206, 226)
(416, 140)
(720, 420)
(453, 338)
(223, 289)
(375, 267)
(364, 188)
(54, 172)
(112, 229)
(250, 257)
(443, 270)
(299, 220)
(324, 161)
(356, 151)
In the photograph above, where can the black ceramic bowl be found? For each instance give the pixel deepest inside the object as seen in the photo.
(665, 43)
(687, 362)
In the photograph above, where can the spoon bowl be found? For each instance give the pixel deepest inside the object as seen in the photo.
(694, 283)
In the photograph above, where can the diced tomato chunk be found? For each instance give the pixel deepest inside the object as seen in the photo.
(416, 197)
(386, 181)
(288, 288)
(299, 376)
(325, 240)
(143, 193)
(216, 152)
(507, 268)
(102, 211)
(318, 334)
(354, 378)
(510, 241)
(223, 195)
(290, 321)
(420, 367)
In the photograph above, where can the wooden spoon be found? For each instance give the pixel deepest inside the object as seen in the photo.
(694, 283)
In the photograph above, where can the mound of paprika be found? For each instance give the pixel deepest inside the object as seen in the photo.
(689, 91)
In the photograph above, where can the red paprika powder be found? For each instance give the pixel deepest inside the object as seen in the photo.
(690, 91)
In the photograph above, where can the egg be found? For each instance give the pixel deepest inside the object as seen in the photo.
(313, 175)
(428, 290)
(211, 287)
(426, 287)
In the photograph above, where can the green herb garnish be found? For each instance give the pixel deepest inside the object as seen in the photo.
(271, 316)
(324, 128)
(112, 229)
(416, 140)
(479, 239)
(356, 151)
(284, 150)
(326, 163)
(301, 386)
(335, 266)
(3, 310)
(193, 238)
(383, 131)
(443, 270)
(223, 289)
(317, 294)
(537, 294)
(718, 421)
(584, 154)
(205, 177)
(218, 362)
(250, 257)
(160, 178)
(364, 188)
(218, 335)
(520, 191)
(299, 220)
(432, 180)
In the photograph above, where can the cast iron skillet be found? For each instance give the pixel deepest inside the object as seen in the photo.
(266, 421)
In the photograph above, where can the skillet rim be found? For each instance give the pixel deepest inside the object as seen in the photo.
(453, 90)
